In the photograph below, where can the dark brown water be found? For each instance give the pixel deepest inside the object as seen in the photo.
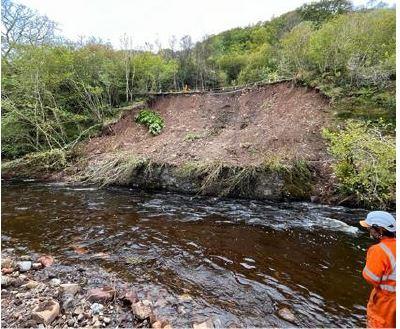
(239, 260)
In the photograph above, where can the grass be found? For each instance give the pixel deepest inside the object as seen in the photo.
(192, 136)
(37, 163)
(115, 168)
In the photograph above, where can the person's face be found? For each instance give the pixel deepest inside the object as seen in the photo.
(375, 233)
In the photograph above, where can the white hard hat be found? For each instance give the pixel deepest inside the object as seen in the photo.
(381, 219)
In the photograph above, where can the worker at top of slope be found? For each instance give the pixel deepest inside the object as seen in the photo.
(380, 270)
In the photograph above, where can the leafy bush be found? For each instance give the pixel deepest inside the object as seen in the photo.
(365, 163)
(152, 120)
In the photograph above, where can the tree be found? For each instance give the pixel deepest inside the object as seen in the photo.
(22, 25)
(321, 11)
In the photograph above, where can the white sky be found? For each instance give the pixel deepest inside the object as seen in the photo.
(149, 20)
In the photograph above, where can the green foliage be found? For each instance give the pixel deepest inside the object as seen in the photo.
(36, 163)
(321, 11)
(152, 120)
(365, 163)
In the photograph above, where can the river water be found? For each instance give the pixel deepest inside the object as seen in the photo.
(240, 261)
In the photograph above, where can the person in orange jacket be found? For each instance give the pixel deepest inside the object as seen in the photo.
(380, 270)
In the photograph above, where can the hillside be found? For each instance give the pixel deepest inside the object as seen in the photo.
(239, 128)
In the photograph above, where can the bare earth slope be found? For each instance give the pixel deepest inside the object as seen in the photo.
(239, 128)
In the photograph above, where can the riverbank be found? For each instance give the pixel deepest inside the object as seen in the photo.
(39, 291)
(260, 143)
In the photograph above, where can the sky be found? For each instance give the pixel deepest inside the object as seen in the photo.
(151, 20)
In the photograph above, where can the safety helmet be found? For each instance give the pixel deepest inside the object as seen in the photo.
(381, 219)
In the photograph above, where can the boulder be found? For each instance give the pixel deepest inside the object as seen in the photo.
(46, 311)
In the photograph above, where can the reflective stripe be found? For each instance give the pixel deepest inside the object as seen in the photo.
(389, 277)
(371, 275)
(387, 287)
(389, 253)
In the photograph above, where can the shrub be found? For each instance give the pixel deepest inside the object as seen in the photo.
(152, 120)
(364, 163)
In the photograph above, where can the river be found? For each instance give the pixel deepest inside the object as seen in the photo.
(240, 261)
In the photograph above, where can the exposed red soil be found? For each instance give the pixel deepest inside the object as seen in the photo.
(239, 128)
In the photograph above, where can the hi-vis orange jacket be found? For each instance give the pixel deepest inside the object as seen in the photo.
(380, 271)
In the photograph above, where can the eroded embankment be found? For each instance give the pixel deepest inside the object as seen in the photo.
(263, 142)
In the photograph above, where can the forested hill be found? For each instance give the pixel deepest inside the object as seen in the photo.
(56, 92)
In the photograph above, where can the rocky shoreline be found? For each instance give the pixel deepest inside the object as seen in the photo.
(39, 292)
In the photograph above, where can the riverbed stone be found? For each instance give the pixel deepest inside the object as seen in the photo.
(46, 260)
(142, 310)
(46, 311)
(103, 294)
(6, 281)
(25, 258)
(24, 266)
(204, 325)
(37, 266)
(55, 282)
(70, 288)
(7, 270)
(130, 296)
(96, 308)
(31, 284)
(287, 315)
(7, 263)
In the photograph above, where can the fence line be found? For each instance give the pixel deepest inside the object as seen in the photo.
(219, 90)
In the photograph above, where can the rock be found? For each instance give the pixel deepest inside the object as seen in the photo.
(25, 258)
(46, 311)
(24, 266)
(101, 294)
(46, 260)
(15, 274)
(142, 310)
(80, 317)
(161, 324)
(314, 198)
(204, 325)
(7, 270)
(106, 320)
(287, 315)
(55, 282)
(70, 288)
(31, 284)
(6, 281)
(7, 263)
(130, 296)
(78, 310)
(71, 322)
(96, 308)
(37, 266)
